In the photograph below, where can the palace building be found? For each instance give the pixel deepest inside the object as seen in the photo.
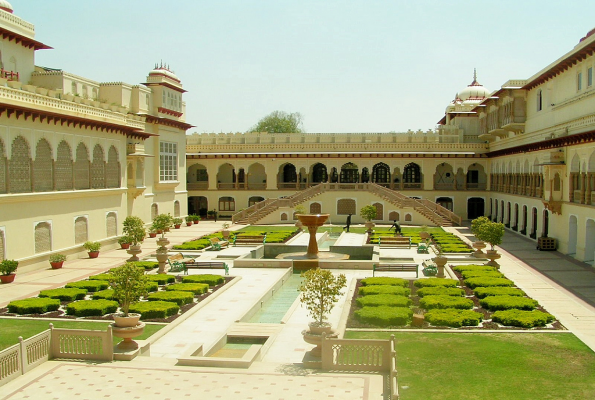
(77, 156)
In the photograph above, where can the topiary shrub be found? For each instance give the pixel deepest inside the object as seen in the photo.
(152, 286)
(377, 300)
(440, 290)
(475, 274)
(211, 280)
(64, 294)
(196, 288)
(146, 265)
(487, 281)
(180, 298)
(100, 277)
(161, 279)
(107, 294)
(384, 289)
(482, 292)
(473, 267)
(385, 281)
(33, 306)
(521, 318)
(442, 302)
(433, 282)
(453, 318)
(154, 309)
(384, 316)
(497, 303)
(90, 286)
(87, 308)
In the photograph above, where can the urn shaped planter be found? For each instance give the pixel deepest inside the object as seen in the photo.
(479, 246)
(314, 335)
(493, 255)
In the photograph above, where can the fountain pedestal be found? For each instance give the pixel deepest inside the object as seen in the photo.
(312, 222)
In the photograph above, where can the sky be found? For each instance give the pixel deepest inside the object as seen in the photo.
(345, 65)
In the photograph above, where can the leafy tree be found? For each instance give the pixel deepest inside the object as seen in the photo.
(134, 229)
(491, 232)
(320, 291)
(129, 283)
(477, 222)
(280, 122)
(368, 212)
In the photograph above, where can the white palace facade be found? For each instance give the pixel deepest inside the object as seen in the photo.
(77, 156)
(523, 155)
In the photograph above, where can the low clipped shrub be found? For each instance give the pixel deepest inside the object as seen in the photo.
(146, 265)
(196, 288)
(384, 289)
(101, 277)
(453, 317)
(152, 286)
(211, 280)
(377, 300)
(433, 282)
(154, 309)
(161, 279)
(180, 298)
(497, 303)
(473, 267)
(107, 294)
(385, 281)
(90, 286)
(487, 281)
(33, 305)
(64, 294)
(475, 274)
(88, 308)
(384, 316)
(442, 302)
(522, 318)
(482, 292)
(440, 290)
(455, 248)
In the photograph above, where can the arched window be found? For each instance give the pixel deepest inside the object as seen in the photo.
(319, 173)
(63, 170)
(345, 206)
(412, 173)
(254, 199)
(98, 168)
(20, 167)
(349, 173)
(3, 164)
(43, 237)
(379, 211)
(315, 208)
(289, 174)
(73, 88)
(80, 230)
(112, 169)
(227, 204)
(43, 167)
(394, 216)
(176, 209)
(539, 100)
(283, 216)
(407, 217)
(111, 224)
(81, 168)
(365, 175)
(12, 66)
(154, 210)
(381, 173)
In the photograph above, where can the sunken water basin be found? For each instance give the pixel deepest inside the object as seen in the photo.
(229, 352)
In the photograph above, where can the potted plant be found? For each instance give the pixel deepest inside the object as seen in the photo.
(161, 223)
(56, 260)
(189, 219)
(319, 292)
(134, 230)
(440, 261)
(478, 244)
(177, 222)
(152, 232)
(368, 213)
(225, 231)
(492, 233)
(124, 242)
(92, 248)
(129, 284)
(297, 210)
(196, 219)
(7, 269)
(423, 233)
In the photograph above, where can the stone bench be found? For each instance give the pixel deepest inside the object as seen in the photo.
(395, 268)
(249, 240)
(205, 265)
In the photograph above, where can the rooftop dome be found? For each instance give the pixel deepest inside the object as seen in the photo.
(5, 5)
(474, 92)
(162, 69)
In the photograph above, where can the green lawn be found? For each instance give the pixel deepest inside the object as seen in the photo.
(267, 228)
(491, 366)
(13, 328)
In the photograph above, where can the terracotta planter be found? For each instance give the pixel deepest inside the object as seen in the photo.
(93, 254)
(189, 223)
(7, 278)
(195, 222)
(125, 246)
(177, 226)
(57, 265)
(152, 235)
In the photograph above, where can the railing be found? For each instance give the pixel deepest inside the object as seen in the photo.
(445, 212)
(9, 75)
(226, 186)
(197, 185)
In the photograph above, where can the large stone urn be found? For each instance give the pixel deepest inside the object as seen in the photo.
(314, 335)
(127, 328)
(161, 253)
(493, 255)
(134, 250)
(440, 263)
(479, 246)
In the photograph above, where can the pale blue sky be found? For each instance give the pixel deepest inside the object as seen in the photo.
(347, 66)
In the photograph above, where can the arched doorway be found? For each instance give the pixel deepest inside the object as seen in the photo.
(475, 207)
(516, 217)
(590, 241)
(445, 202)
(198, 205)
(381, 174)
(572, 234)
(546, 223)
(533, 234)
(524, 225)
(319, 173)
(349, 173)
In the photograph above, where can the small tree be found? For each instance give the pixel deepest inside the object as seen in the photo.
(368, 212)
(162, 222)
(134, 230)
(320, 291)
(491, 232)
(476, 223)
(299, 209)
(129, 283)
(280, 122)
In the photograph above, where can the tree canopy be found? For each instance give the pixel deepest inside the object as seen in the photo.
(280, 122)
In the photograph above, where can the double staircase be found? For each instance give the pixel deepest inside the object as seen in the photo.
(439, 215)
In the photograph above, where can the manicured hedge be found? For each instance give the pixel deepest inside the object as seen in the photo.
(211, 280)
(497, 303)
(196, 288)
(152, 286)
(384, 289)
(482, 292)
(33, 305)
(91, 286)
(438, 301)
(473, 267)
(453, 318)
(146, 265)
(384, 316)
(180, 298)
(377, 300)
(440, 290)
(154, 309)
(455, 248)
(433, 282)
(162, 279)
(64, 294)
(107, 294)
(101, 277)
(472, 283)
(87, 308)
(385, 281)
(521, 318)
(198, 244)
(475, 274)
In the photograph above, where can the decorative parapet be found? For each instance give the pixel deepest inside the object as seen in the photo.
(17, 25)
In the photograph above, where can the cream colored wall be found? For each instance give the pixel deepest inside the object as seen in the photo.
(118, 93)
(24, 59)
